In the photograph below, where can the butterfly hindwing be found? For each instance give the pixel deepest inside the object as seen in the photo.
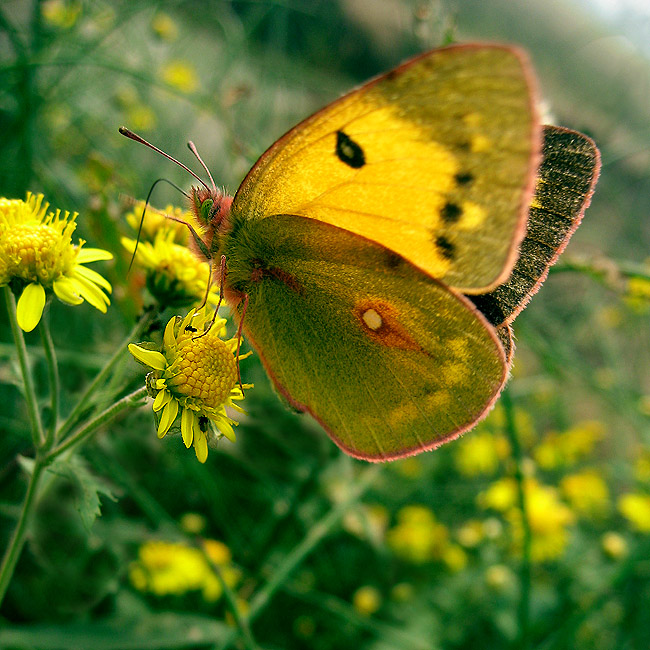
(434, 160)
(386, 358)
(565, 183)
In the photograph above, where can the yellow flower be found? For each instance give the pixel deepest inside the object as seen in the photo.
(635, 507)
(569, 447)
(499, 577)
(471, 534)
(181, 75)
(36, 250)
(587, 492)
(637, 297)
(501, 495)
(642, 466)
(175, 276)
(61, 13)
(164, 27)
(614, 545)
(166, 568)
(366, 600)
(194, 378)
(141, 117)
(455, 558)
(548, 517)
(192, 523)
(156, 220)
(418, 537)
(480, 453)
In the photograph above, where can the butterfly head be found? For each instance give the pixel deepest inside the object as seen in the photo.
(211, 207)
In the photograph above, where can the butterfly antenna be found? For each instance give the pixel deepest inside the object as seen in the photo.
(144, 210)
(194, 150)
(134, 136)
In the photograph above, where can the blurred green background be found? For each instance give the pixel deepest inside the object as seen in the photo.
(323, 551)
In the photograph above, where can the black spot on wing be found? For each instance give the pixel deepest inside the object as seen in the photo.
(451, 213)
(348, 151)
(446, 248)
(464, 178)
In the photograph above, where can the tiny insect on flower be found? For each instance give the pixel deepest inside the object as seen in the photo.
(195, 378)
(36, 251)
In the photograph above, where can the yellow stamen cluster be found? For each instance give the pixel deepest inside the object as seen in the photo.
(195, 376)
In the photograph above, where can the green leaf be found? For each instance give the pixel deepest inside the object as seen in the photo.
(88, 487)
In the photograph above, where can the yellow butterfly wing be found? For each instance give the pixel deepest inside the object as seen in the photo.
(434, 160)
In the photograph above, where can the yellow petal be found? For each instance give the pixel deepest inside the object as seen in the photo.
(167, 418)
(96, 278)
(150, 357)
(90, 292)
(161, 399)
(201, 447)
(187, 427)
(30, 306)
(226, 429)
(65, 290)
(168, 337)
(93, 255)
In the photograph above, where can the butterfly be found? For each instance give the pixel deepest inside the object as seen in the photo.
(377, 254)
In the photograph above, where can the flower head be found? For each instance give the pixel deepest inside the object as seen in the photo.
(194, 378)
(175, 277)
(36, 250)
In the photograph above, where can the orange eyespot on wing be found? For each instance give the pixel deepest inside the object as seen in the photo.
(380, 321)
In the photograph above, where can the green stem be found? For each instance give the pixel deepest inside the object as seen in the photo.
(523, 613)
(241, 622)
(53, 374)
(30, 394)
(315, 535)
(92, 425)
(17, 541)
(121, 349)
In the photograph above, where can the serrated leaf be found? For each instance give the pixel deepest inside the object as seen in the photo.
(89, 487)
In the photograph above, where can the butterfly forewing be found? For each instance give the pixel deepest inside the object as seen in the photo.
(434, 160)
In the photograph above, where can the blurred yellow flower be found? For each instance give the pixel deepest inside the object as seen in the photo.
(480, 453)
(61, 13)
(635, 507)
(156, 220)
(181, 75)
(410, 467)
(367, 522)
(164, 27)
(569, 447)
(417, 537)
(501, 495)
(141, 117)
(614, 545)
(499, 577)
(367, 600)
(168, 568)
(637, 296)
(642, 466)
(548, 518)
(36, 250)
(471, 534)
(192, 523)
(455, 558)
(586, 492)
